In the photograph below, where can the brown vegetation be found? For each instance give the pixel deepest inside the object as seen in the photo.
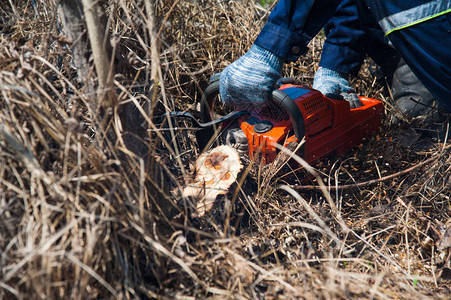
(93, 209)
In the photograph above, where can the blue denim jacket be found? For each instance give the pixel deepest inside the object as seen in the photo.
(422, 38)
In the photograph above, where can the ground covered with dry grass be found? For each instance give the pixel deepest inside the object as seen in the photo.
(82, 215)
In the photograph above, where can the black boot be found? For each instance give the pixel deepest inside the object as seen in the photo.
(414, 104)
(423, 119)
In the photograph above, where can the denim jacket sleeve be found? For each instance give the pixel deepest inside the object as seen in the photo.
(292, 24)
(346, 42)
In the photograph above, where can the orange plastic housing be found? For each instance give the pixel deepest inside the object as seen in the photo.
(331, 127)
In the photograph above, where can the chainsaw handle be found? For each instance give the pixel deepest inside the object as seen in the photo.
(277, 96)
(281, 99)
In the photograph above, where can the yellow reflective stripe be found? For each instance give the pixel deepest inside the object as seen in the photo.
(415, 15)
(417, 22)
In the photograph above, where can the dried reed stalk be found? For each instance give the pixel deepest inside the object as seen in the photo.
(102, 57)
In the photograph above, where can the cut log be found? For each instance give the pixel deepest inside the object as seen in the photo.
(216, 171)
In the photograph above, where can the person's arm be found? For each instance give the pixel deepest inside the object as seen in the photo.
(346, 42)
(343, 53)
(291, 25)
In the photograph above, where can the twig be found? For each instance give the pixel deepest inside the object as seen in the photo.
(322, 186)
(312, 213)
(369, 182)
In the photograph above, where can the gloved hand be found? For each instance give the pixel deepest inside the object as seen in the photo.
(248, 81)
(331, 82)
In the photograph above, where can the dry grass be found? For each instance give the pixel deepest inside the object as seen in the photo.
(82, 217)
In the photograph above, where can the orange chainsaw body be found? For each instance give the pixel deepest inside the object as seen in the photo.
(331, 127)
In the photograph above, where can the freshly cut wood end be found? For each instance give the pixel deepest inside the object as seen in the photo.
(216, 170)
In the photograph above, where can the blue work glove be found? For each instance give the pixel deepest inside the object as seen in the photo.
(331, 82)
(248, 81)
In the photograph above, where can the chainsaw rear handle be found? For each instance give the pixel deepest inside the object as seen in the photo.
(277, 96)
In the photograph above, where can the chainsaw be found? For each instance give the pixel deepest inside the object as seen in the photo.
(326, 123)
